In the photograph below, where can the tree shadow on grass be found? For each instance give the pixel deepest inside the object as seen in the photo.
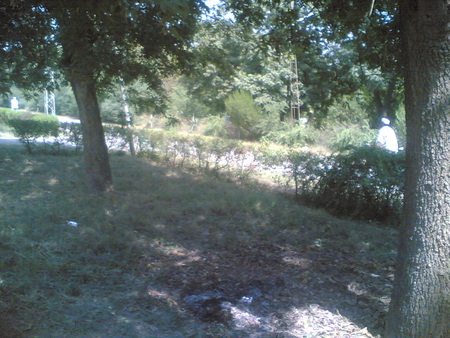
(171, 253)
(226, 249)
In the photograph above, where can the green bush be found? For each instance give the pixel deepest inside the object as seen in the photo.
(299, 168)
(367, 183)
(243, 113)
(29, 130)
(148, 143)
(6, 114)
(72, 133)
(172, 122)
(349, 137)
(216, 126)
(293, 135)
(208, 154)
(116, 138)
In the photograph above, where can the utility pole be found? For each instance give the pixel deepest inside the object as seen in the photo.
(127, 115)
(294, 90)
(49, 102)
(49, 97)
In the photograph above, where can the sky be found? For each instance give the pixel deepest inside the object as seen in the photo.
(211, 3)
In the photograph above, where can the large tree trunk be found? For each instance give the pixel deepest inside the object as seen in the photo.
(420, 305)
(96, 158)
(80, 62)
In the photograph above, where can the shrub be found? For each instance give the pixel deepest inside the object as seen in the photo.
(300, 168)
(244, 114)
(346, 138)
(172, 122)
(72, 133)
(148, 143)
(293, 135)
(216, 126)
(6, 114)
(367, 183)
(115, 137)
(29, 130)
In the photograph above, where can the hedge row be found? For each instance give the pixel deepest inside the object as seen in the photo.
(208, 154)
(366, 183)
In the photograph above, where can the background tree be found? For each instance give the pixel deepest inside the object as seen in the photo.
(243, 113)
(340, 49)
(94, 44)
(26, 51)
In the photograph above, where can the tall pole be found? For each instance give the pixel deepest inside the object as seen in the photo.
(294, 90)
(49, 102)
(127, 113)
(49, 97)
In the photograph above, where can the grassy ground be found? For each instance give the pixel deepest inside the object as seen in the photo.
(139, 257)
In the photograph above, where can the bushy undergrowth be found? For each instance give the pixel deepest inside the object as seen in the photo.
(291, 135)
(207, 154)
(216, 126)
(30, 129)
(6, 114)
(348, 137)
(366, 183)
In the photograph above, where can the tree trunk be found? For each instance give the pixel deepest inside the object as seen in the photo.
(80, 64)
(420, 305)
(96, 158)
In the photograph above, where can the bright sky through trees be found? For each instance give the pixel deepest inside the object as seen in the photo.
(212, 3)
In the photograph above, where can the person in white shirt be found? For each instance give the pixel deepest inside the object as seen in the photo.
(386, 136)
(14, 103)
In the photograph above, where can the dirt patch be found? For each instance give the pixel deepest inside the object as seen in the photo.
(265, 289)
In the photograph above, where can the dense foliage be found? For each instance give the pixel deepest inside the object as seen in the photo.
(365, 183)
(368, 183)
(30, 129)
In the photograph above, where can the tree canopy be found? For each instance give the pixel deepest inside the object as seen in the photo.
(93, 44)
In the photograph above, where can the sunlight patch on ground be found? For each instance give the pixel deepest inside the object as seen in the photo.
(154, 293)
(32, 196)
(173, 249)
(315, 321)
(301, 263)
(53, 182)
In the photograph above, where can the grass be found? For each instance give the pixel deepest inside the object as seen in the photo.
(164, 234)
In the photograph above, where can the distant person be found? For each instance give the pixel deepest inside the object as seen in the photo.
(14, 103)
(386, 136)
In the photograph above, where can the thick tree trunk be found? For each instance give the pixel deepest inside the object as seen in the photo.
(96, 158)
(420, 305)
(79, 62)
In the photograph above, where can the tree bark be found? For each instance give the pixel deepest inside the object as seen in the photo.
(420, 305)
(96, 159)
(80, 64)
